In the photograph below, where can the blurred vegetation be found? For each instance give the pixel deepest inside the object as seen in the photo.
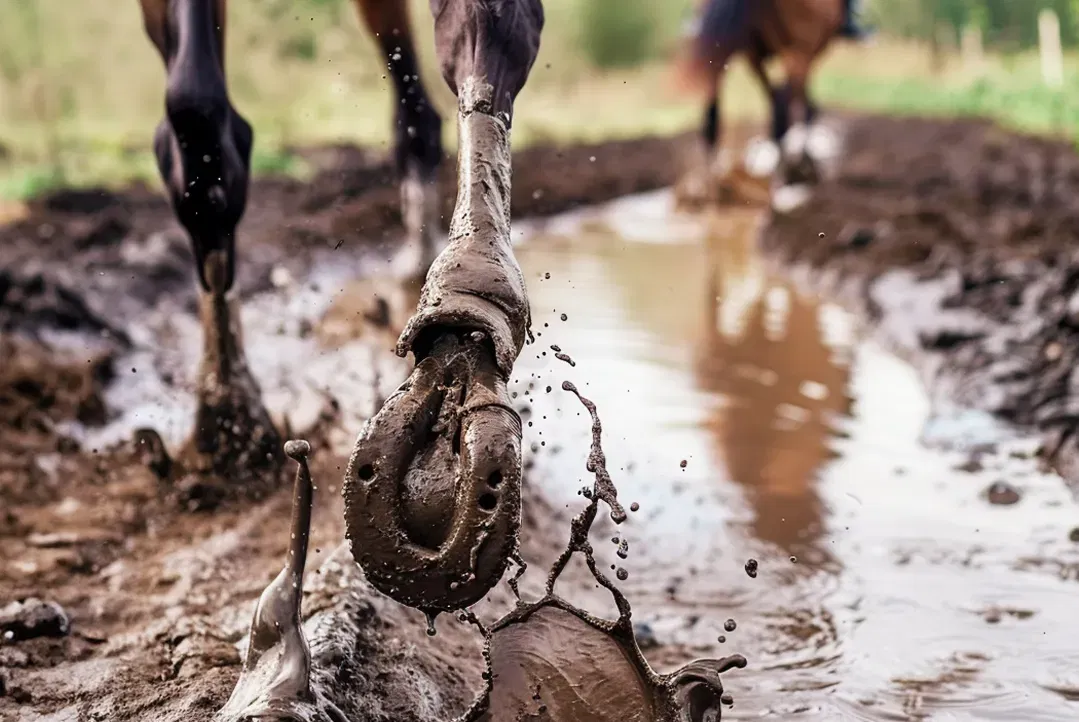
(81, 86)
(1006, 25)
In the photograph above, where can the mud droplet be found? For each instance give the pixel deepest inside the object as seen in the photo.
(794, 559)
(1001, 493)
(634, 506)
(730, 625)
(564, 317)
(431, 631)
(751, 568)
(721, 639)
(547, 275)
(622, 574)
(682, 463)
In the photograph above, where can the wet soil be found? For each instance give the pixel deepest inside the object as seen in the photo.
(743, 420)
(959, 241)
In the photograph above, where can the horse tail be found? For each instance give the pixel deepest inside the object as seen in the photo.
(722, 29)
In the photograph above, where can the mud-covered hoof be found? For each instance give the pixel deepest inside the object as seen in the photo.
(433, 488)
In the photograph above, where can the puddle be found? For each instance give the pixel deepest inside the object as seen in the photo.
(887, 587)
(911, 597)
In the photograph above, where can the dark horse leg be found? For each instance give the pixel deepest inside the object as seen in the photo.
(417, 131)
(203, 150)
(798, 166)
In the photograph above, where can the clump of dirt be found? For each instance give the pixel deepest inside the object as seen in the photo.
(979, 227)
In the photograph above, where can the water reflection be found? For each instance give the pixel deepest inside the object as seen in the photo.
(800, 440)
(761, 348)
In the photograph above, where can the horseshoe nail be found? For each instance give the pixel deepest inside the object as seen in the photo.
(432, 491)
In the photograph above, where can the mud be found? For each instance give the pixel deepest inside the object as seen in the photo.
(958, 240)
(546, 660)
(804, 447)
(101, 325)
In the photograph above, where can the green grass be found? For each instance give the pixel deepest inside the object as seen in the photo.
(80, 106)
(1007, 90)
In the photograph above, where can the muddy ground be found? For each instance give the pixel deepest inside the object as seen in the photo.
(152, 599)
(960, 242)
(956, 237)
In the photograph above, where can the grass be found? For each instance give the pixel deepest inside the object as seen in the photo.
(80, 107)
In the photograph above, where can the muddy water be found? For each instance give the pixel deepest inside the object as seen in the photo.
(887, 587)
(750, 422)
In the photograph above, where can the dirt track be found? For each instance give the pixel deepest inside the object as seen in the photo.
(157, 599)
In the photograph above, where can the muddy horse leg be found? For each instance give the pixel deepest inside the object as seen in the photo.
(417, 131)
(433, 488)
(203, 150)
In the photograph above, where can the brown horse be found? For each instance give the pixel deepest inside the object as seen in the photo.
(433, 489)
(794, 31)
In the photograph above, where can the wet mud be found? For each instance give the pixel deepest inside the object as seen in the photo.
(779, 496)
(546, 659)
(102, 335)
(958, 241)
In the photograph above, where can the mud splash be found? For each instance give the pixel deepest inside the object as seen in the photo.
(276, 679)
(550, 660)
(546, 660)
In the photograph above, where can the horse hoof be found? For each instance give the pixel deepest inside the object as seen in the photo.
(433, 488)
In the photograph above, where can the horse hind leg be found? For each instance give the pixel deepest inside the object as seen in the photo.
(417, 133)
(798, 166)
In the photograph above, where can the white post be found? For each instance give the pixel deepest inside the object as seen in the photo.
(1049, 43)
(971, 47)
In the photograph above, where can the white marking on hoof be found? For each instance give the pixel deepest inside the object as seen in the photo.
(823, 143)
(761, 157)
(788, 198)
(796, 140)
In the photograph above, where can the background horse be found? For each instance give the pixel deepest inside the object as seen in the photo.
(794, 31)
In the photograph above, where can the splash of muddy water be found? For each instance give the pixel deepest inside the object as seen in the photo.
(546, 660)
(276, 679)
(549, 660)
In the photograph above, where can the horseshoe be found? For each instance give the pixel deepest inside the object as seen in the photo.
(432, 491)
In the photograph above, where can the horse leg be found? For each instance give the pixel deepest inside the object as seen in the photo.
(203, 150)
(712, 128)
(433, 488)
(798, 165)
(417, 131)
